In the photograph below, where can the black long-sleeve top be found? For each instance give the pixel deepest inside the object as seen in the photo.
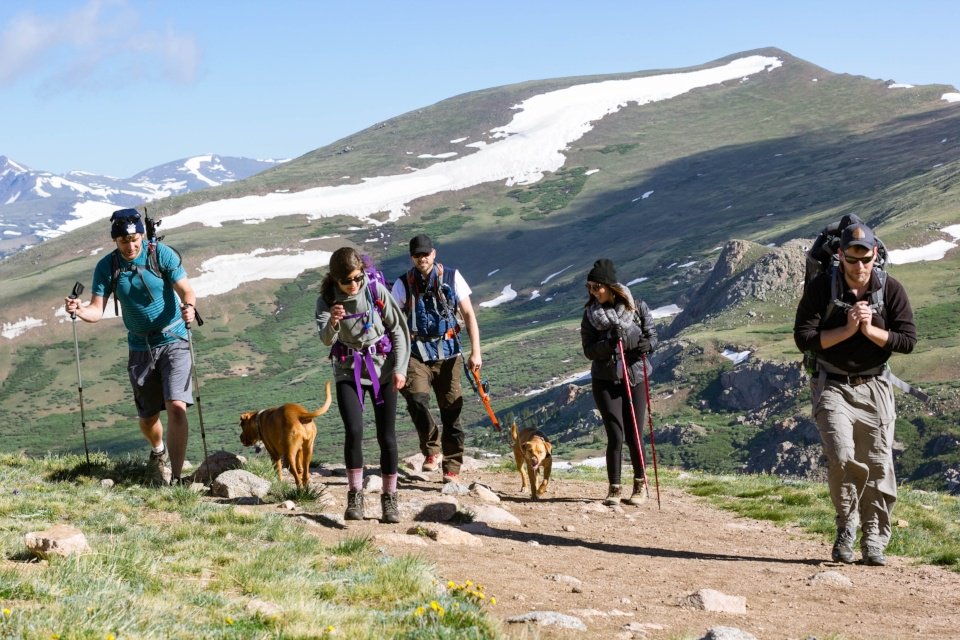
(856, 353)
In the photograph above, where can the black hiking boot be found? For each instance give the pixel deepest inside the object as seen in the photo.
(843, 546)
(354, 506)
(873, 556)
(389, 511)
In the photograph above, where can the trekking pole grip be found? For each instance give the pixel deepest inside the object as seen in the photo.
(74, 294)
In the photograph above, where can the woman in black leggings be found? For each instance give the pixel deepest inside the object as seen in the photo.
(612, 317)
(358, 316)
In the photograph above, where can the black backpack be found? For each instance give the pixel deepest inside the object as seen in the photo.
(822, 258)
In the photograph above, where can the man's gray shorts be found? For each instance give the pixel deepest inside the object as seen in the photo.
(165, 376)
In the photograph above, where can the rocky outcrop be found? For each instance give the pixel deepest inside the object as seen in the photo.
(791, 447)
(753, 385)
(745, 272)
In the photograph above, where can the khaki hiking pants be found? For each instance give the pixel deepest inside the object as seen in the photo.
(856, 424)
(440, 378)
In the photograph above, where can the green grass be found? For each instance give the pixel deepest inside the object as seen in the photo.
(926, 525)
(167, 564)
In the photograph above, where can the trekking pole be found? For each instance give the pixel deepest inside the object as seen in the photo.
(196, 389)
(653, 443)
(633, 414)
(77, 290)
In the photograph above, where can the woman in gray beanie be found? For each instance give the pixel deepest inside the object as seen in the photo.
(611, 315)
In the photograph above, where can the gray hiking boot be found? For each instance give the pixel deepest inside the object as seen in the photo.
(354, 506)
(843, 546)
(159, 471)
(390, 512)
(639, 494)
(613, 496)
(873, 556)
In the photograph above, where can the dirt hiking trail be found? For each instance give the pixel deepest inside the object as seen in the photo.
(637, 565)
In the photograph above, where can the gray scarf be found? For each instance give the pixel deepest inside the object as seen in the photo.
(603, 317)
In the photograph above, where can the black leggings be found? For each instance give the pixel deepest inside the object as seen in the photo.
(385, 416)
(611, 400)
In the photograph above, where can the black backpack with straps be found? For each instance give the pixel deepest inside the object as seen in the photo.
(822, 258)
(153, 265)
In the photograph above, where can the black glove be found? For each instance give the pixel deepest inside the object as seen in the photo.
(644, 346)
(614, 336)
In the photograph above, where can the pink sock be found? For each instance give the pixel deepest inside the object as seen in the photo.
(355, 479)
(390, 483)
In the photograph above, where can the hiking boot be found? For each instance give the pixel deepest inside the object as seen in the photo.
(390, 512)
(873, 556)
(430, 463)
(354, 506)
(843, 547)
(159, 471)
(613, 496)
(450, 476)
(639, 494)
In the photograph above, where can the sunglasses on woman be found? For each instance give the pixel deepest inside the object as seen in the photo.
(593, 287)
(346, 282)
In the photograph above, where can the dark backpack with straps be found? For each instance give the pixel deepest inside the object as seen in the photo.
(822, 258)
(153, 264)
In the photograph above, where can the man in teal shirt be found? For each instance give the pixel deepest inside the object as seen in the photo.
(156, 308)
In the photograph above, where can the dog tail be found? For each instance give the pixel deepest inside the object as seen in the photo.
(326, 404)
(513, 431)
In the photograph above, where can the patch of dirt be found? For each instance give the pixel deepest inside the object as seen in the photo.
(637, 564)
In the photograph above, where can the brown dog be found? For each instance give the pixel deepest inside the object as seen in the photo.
(532, 450)
(287, 432)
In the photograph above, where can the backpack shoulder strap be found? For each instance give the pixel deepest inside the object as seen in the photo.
(114, 276)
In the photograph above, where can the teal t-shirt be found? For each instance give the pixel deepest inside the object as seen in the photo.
(149, 323)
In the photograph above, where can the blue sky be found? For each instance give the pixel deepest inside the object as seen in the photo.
(119, 86)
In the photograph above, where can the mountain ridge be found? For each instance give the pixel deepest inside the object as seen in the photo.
(658, 187)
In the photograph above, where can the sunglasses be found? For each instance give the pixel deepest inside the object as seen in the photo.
(852, 260)
(346, 282)
(593, 287)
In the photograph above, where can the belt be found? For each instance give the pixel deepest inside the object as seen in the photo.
(853, 380)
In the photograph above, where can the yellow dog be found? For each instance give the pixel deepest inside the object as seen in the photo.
(287, 432)
(532, 450)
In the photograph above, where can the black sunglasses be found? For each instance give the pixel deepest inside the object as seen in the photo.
(346, 282)
(853, 260)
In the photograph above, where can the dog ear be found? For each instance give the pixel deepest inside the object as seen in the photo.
(246, 415)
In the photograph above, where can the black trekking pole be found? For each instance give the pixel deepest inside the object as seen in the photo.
(77, 290)
(653, 442)
(196, 390)
(633, 414)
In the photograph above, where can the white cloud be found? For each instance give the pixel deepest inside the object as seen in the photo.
(101, 43)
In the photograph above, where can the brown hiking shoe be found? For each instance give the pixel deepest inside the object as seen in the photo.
(159, 471)
(639, 493)
(613, 496)
(430, 463)
(354, 506)
(389, 510)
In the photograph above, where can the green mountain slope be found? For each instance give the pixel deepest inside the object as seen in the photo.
(764, 161)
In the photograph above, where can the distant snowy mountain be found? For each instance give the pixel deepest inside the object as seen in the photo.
(35, 205)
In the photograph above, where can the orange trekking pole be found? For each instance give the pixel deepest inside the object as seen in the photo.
(481, 387)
